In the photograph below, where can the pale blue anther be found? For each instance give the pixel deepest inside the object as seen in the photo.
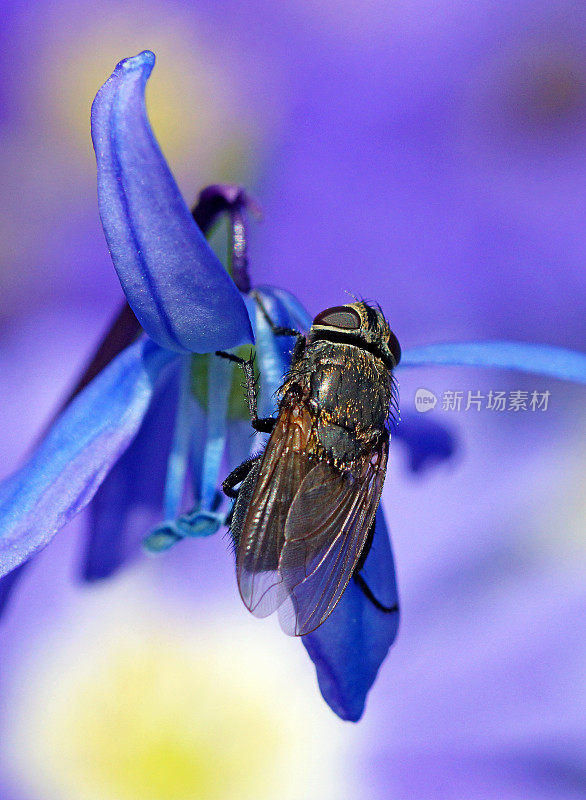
(162, 537)
(200, 523)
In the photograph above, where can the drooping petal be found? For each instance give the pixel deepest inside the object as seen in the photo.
(427, 442)
(65, 471)
(349, 647)
(541, 359)
(130, 500)
(176, 286)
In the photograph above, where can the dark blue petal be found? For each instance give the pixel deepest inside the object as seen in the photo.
(176, 286)
(73, 459)
(130, 500)
(541, 359)
(7, 584)
(427, 441)
(352, 643)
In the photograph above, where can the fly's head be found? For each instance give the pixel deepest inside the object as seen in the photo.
(360, 324)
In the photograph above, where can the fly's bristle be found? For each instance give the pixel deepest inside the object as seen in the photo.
(392, 420)
(352, 295)
(232, 544)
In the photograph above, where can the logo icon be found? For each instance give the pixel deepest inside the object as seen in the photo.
(424, 400)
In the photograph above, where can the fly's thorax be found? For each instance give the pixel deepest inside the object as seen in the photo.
(350, 384)
(348, 390)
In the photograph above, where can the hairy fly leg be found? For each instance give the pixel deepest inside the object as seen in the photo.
(263, 425)
(239, 474)
(246, 474)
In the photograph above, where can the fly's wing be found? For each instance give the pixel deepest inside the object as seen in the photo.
(285, 464)
(325, 531)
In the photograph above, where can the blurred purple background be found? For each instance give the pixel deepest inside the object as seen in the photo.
(428, 155)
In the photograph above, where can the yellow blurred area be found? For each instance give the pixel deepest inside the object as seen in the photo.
(561, 526)
(127, 703)
(208, 128)
(192, 95)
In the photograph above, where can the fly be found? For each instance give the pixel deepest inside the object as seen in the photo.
(304, 510)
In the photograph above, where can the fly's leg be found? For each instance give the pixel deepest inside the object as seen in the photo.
(367, 592)
(362, 584)
(237, 476)
(279, 330)
(245, 475)
(263, 425)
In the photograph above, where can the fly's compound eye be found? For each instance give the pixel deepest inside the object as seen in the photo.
(394, 347)
(339, 317)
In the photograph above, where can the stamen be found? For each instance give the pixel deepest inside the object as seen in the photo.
(203, 520)
(220, 198)
(180, 447)
(219, 382)
(239, 251)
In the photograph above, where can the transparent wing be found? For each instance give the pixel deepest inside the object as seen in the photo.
(285, 464)
(325, 530)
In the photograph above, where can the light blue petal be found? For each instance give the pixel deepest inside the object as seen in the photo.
(292, 309)
(540, 359)
(65, 471)
(274, 352)
(176, 286)
(349, 647)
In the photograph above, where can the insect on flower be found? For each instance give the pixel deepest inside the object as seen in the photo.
(303, 518)
(154, 417)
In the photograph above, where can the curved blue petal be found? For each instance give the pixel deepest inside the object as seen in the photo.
(427, 442)
(349, 647)
(130, 500)
(176, 286)
(73, 459)
(294, 312)
(541, 359)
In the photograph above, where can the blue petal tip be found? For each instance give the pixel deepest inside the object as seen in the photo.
(178, 289)
(143, 61)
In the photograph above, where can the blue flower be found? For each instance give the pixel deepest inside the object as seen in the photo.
(146, 438)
